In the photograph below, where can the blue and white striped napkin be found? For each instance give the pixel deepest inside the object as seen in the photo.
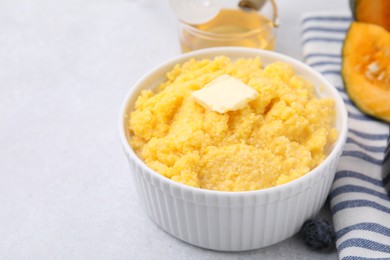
(360, 204)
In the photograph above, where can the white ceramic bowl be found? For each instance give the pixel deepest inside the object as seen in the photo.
(233, 221)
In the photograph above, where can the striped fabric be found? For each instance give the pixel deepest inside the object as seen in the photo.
(360, 204)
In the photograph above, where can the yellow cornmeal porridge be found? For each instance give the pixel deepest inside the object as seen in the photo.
(281, 135)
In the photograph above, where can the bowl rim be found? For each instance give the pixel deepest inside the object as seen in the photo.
(338, 147)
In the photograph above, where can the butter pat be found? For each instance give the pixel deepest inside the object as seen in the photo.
(224, 94)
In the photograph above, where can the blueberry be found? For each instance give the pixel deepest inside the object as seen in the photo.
(318, 234)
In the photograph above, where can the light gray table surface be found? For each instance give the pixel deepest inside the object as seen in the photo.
(65, 188)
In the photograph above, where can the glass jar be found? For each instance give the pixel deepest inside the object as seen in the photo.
(246, 23)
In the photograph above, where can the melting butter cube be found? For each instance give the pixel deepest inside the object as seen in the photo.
(224, 94)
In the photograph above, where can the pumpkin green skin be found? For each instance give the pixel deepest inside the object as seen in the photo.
(352, 6)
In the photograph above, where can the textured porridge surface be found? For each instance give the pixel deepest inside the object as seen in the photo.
(281, 135)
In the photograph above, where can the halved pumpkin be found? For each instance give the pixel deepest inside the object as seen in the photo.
(366, 68)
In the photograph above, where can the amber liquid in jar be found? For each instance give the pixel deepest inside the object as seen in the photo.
(230, 27)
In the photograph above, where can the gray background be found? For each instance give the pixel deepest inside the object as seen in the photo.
(65, 188)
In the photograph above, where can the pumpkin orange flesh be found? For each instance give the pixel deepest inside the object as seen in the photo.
(366, 68)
